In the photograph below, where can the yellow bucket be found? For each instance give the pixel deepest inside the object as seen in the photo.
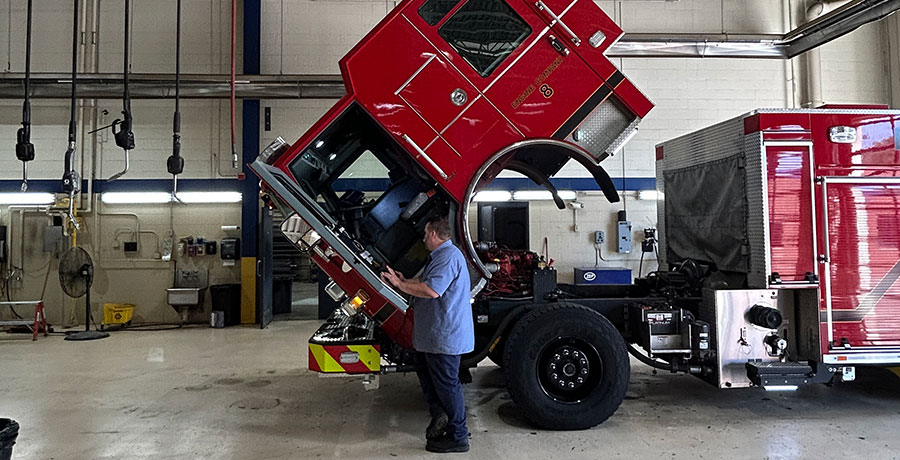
(117, 313)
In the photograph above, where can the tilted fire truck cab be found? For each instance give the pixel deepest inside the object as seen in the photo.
(441, 96)
(444, 94)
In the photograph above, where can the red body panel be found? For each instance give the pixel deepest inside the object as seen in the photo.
(790, 234)
(861, 220)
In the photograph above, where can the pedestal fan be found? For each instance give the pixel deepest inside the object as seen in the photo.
(76, 274)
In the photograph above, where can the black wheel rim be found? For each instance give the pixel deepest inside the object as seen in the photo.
(569, 369)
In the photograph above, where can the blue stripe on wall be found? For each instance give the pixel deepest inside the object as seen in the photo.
(518, 183)
(249, 185)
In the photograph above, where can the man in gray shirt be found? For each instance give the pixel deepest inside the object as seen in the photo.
(442, 332)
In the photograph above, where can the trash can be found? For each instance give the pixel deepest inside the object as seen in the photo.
(281, 295)
(9, 430)
(227, 299)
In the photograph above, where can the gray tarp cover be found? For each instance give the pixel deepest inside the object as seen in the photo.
(706, 214)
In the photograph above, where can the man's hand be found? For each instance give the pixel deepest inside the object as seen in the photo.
(412, 287)
(392, 277)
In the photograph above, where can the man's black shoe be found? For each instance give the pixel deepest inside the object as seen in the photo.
(436, 427)
(446, 444)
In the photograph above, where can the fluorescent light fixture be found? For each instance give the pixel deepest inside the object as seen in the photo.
(135, 197)
(648, 195)
(540, 195)
(210, 197)
(27, 198)
(165, 197)
(492, 195)
(780, 387)
(319, 144)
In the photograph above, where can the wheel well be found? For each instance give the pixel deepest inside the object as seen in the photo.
(538, 159)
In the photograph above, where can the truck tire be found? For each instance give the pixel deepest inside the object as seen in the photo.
(566, 367)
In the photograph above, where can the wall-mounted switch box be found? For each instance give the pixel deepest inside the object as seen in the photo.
(624, 234)
(599, 237)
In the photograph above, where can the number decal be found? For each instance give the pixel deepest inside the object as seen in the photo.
(546, 90)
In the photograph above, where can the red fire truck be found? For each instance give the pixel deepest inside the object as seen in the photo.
(444, 94)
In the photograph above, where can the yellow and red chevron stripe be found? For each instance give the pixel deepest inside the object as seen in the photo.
(350, 359)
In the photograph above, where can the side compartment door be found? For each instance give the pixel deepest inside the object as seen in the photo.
(791, 223)
(861, 262)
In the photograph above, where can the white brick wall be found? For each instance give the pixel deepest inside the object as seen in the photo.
(310, 36)
(856, 67)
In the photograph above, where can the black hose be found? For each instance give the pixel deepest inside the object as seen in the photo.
(127, 96)
(74, 75)
(24, 147)
(124, 136)
(175, 163)
(647, 360)
(472, 361)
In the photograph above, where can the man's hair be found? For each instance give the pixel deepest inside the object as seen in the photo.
(440, 224)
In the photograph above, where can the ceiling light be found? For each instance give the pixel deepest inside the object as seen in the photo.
(210, 197)
(165, 197)
(135, 197)
(27, 198)
(539, 195)
(492, 195)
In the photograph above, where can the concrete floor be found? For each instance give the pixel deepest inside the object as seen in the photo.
(245, 393)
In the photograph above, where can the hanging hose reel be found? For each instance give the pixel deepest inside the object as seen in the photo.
(71, 180)
(24, 147)
(124, 136)
(175, 163)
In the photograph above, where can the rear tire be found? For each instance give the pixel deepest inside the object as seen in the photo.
(566, 367)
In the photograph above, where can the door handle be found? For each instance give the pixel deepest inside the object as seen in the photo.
(424, 155)
(259, 270)
(556, 19)
(558, 45)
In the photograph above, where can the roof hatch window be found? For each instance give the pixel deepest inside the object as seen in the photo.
(485, 32)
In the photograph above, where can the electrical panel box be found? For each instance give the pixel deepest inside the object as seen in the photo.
(624, 231)
(230, 249)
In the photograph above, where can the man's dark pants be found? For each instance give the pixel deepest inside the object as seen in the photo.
(439, 377)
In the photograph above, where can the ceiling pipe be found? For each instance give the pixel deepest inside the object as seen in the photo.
(162, 86)
(811, 92)
(816, 32)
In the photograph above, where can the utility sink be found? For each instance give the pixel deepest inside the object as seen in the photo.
(185, 296)
(190, 286)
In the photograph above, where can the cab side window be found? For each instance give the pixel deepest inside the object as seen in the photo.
(433, 11)
(484, 33)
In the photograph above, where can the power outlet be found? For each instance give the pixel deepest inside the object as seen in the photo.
(599, 237)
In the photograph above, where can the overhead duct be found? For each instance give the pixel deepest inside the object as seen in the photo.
(824, 29)
(815, 33)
